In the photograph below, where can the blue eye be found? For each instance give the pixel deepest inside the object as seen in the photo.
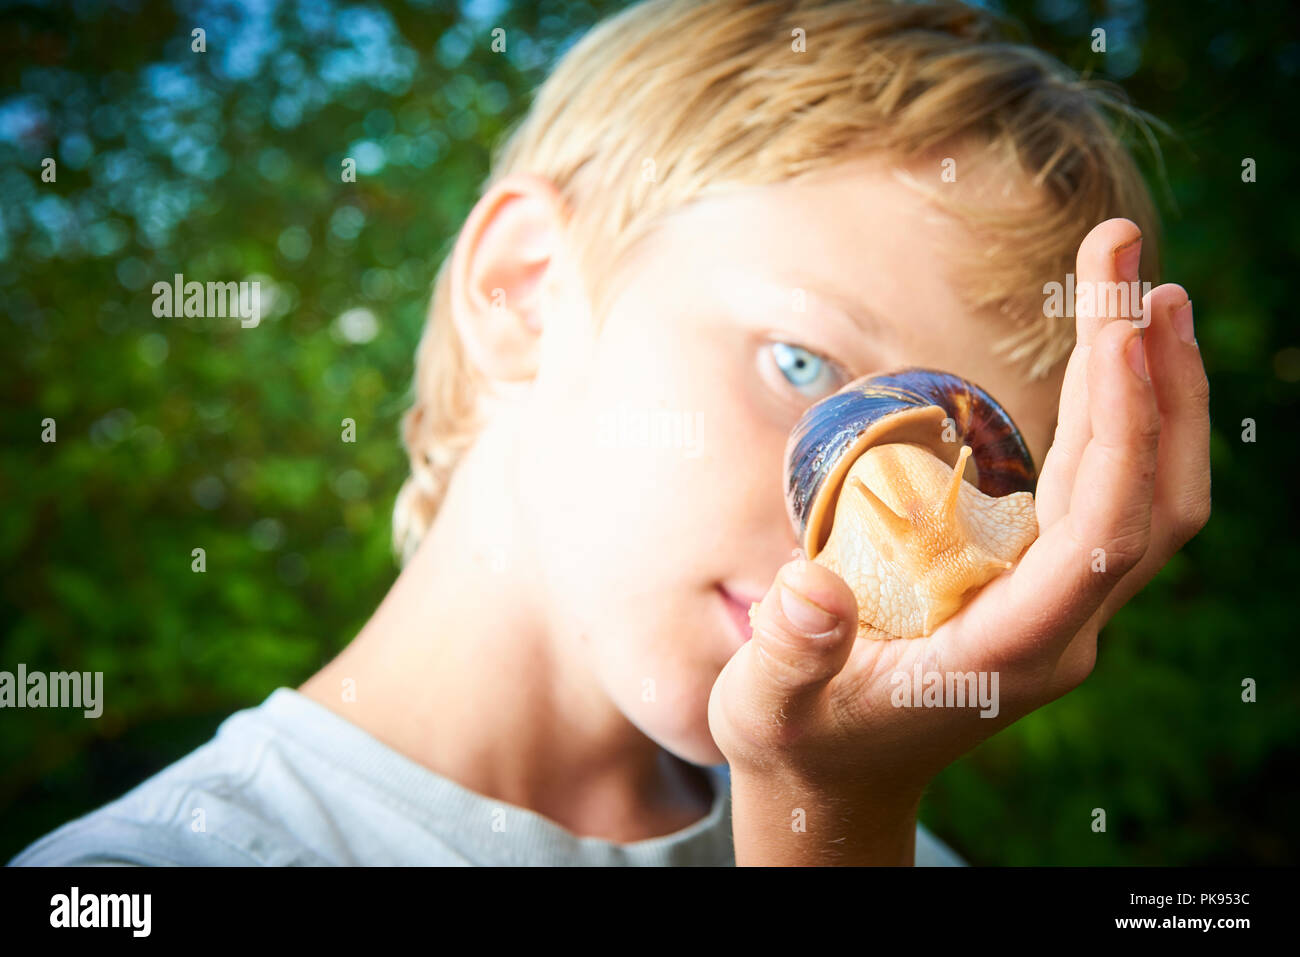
(806, 371)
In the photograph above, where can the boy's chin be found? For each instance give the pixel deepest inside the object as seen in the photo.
(690, 741)
(692, 747)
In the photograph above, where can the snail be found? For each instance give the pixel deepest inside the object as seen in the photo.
(915, 487)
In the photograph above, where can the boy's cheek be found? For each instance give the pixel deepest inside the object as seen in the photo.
(666, 694)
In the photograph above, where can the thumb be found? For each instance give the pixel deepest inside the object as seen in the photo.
(803, 632)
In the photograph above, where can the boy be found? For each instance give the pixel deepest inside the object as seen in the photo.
(714, 215)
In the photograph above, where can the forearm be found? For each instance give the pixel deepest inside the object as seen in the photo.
(775, 822)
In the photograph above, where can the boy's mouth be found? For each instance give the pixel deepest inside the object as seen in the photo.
(737, 607)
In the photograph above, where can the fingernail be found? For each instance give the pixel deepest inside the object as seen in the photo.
(1181, 320)
(1127, 258)
(1137, 359)
(806, 615)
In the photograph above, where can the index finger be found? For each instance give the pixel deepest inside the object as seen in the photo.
(1106, 288)
(1106, 278)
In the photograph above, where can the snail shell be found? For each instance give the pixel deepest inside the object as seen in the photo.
(915, 487)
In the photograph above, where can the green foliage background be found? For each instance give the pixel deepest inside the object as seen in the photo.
(175, 434)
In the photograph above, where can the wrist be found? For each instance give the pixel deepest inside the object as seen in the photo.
(779, 820)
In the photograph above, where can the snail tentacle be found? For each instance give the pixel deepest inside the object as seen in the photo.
(929, 523)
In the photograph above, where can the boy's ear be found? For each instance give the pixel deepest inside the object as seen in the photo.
(508, 243)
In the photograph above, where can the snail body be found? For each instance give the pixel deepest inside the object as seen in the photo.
(915, 488)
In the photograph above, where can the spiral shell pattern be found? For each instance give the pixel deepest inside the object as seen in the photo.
(934, 409)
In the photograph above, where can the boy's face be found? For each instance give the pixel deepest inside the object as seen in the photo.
(653, 541)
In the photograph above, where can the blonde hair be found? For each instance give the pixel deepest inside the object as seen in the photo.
(719, 94)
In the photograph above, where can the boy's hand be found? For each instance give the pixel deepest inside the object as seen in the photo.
(824, 767)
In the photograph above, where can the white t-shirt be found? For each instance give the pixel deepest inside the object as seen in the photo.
(290, 782)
